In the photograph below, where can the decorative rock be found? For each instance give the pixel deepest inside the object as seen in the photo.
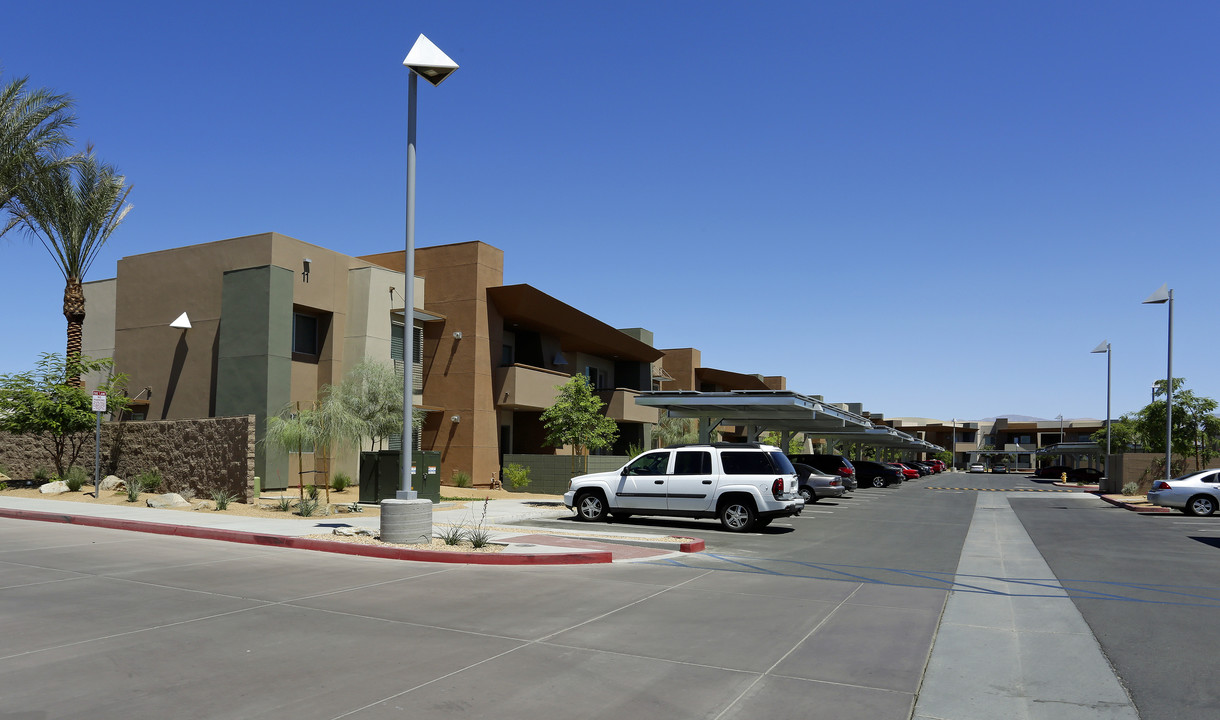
(354, 531)
(53, 488)
(4, 478)
(335, 509)
(168, 500)
(112, 483)
(205, 505)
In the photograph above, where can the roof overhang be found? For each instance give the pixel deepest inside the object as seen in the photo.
(731, 380)
(532, 309)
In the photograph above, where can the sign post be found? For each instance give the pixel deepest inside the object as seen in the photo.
(99, 407)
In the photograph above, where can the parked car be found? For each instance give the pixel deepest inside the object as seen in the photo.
(829, 464)
(976, 468)
(1085, 475)
(1052, 471)
(938, 466)
(923, 467)
(875, 474)
(1196, 493)
(745, 485)
(813, 484)
(907, 472)
(999, 468)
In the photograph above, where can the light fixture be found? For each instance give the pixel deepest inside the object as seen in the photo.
(559, 359)
(182, 322)
(426, 59)
(305, 270)
(457, 334)
(455, 419)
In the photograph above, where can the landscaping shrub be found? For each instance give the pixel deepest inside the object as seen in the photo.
(1131, 488)
(307, 507)
(517, 475)
(148, 481)
(461, 478)
(341, 482)
(75, 478)
(222, 499)
(453, 535)
(42, 475)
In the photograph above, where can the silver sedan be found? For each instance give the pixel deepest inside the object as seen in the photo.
(813, 484)
(1196, 493)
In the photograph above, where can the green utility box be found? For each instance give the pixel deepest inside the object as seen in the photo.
(380, 475)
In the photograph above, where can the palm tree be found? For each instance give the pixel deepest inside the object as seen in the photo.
(32, 124)
(73, 209)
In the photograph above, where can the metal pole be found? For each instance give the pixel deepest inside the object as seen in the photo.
(1108, 410)
(953, 448)
(1169, 397)
(406, 492)
(97, 458)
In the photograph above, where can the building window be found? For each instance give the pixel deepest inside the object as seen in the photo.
(304, 334)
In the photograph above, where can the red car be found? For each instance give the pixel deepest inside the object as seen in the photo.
(938, 464)
(908, 473)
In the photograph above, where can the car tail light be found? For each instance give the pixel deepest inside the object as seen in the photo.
(777, 487)
(835, 483)
(1161, 485)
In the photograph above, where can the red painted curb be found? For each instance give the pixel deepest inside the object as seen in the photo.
(695, 545)
(584, 557)
(1151, 510)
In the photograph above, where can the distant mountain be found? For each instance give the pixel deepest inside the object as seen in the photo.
(1015, 418)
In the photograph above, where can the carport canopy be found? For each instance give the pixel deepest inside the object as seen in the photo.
(778, 410)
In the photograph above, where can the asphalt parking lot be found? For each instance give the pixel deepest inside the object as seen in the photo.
(843, 609)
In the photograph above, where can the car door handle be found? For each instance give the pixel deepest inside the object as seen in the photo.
(658, 482)
(707, 482)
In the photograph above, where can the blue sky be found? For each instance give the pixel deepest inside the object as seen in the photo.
(933, 208)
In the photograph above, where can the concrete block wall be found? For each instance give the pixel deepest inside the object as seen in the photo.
(549, 474)
(194, 456)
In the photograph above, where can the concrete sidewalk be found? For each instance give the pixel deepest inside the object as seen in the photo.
(523, 545)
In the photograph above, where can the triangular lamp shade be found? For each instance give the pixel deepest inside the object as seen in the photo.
(182, 322)
(427, 59)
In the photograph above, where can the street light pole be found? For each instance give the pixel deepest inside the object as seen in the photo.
(425, 59)
(1105, 347)
(1160, 297)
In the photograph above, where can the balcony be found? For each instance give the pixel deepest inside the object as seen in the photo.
(524, 387)
(621, 406)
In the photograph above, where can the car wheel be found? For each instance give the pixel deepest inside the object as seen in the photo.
(879, 481)
(808, 496)
(738, 515)
(1201, 505)
(590, 506)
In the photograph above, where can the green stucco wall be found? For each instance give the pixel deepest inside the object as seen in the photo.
(254, 359)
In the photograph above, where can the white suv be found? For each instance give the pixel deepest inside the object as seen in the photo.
(745, 485)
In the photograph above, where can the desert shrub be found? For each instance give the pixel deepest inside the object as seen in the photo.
(148, 481)
(3, 486)
(340, 482)
(1131, 488)
(517, 475)
(479, 536)
(284, 504)
(312, 492)
(454, 534)
(133, 488)
(461, 478)
(75, 478)
(42, 475)
(222, 499)
(307, 507)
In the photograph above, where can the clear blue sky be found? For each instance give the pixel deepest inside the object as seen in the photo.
(933, 208)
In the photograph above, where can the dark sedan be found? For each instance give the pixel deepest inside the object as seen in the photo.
(1053, 472)
(1085, 475)
(874, 474)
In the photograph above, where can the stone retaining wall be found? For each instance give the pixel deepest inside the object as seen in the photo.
(194, 457)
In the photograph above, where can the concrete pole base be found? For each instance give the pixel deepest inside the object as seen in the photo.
(406, 522)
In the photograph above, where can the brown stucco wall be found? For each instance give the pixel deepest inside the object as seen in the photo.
(194, 457)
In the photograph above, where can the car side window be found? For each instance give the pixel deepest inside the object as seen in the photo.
(692, 462)
(746, 463)
(650, 464)
(1213, 478)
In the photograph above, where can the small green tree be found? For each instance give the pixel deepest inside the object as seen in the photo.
(46, 403)
(372, 393)
(576, 420)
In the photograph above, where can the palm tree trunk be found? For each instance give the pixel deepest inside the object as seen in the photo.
(74, 311)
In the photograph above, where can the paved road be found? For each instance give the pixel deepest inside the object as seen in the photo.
(833, 613)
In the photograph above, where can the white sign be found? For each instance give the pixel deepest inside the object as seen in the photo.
(99, 401)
